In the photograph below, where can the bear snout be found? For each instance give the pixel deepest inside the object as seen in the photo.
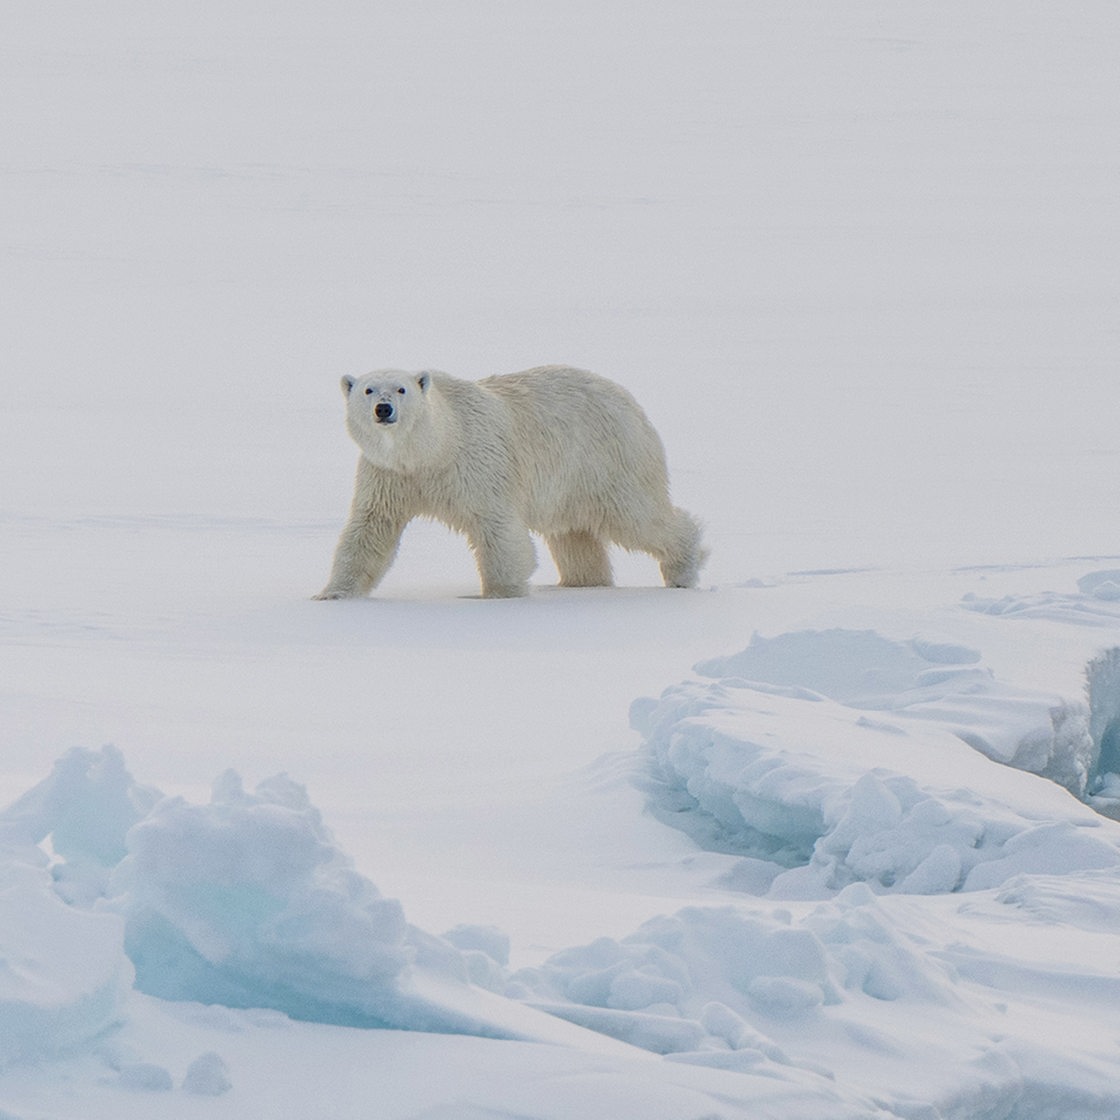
(384, 413)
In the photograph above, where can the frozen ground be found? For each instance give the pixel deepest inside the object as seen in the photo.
(833, 836)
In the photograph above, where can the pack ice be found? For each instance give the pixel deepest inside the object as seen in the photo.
(845, 756)
(245, 902)
(842, 775)
(886, 809)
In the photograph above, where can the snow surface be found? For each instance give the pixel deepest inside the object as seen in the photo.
(834, 836)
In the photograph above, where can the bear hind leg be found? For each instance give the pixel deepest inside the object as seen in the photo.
(673, 540)
(682, 554)
(581, 559)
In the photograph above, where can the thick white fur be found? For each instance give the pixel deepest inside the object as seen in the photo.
(552, 450)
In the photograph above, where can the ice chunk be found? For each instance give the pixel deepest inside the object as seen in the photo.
(86, 806)
(63, 974)
(207, 1076)
(485, 952)
(248, 902)
(1101, 585)
(784, 997)
(721, 1022)
(484, 939)
(1057, 847)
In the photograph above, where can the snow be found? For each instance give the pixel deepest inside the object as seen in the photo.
(783, 773)
(833, 836)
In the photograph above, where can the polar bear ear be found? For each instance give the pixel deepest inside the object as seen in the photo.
(424, 380)
(347, 384)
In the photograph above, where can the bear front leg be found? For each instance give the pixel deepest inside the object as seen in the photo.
(365, 551)
(506, 558)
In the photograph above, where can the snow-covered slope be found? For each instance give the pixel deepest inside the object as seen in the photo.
(833, 836)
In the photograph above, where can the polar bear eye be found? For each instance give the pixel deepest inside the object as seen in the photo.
(369, 392)
(401, 391)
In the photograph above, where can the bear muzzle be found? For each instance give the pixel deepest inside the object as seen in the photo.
(384, 413)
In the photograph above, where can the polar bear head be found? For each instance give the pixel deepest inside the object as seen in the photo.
(388, 415)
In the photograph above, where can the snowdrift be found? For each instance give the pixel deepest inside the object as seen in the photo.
(877, 847)
(846, 757)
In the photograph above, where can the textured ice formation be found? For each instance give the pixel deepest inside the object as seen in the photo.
(246, 902)
(779, 772)
(1095, 603)
(922, 679)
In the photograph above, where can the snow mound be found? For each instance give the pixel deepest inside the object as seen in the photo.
(857, 667)
(696, 986)
(1095, 603)
(921, 679)
(719, 969)
(855, 993)
(207, 1076)
(826, 796)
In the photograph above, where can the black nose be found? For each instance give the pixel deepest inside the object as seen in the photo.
(383, 410)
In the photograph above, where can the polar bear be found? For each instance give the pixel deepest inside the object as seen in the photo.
(552, 450)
